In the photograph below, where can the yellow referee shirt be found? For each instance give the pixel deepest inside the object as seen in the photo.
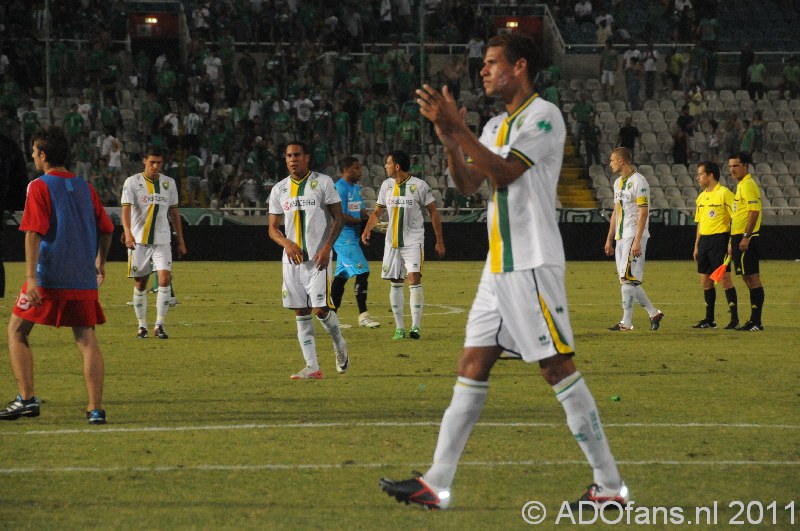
(746, 200)
(714, 210)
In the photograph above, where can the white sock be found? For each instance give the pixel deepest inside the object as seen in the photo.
(628, 293)
(584, 423)
(162, 304)
(397, 298)
(140, 307)
(459, 418)
(641, 297)
(305, 334)
(417, 302)
(331, 325)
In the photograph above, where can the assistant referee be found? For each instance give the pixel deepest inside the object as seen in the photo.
(713, 215)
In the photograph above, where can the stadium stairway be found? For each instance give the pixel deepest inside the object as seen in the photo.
(573, 190)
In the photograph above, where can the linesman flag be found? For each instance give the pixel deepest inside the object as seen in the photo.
(716, 276)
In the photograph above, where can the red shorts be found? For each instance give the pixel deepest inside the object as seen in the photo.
(60, 308)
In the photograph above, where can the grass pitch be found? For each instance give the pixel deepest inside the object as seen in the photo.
(207, 431)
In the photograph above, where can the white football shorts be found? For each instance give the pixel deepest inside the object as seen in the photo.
(305, 286)
(630, 270)
(523, 312)
(399, 261)
(144, 259)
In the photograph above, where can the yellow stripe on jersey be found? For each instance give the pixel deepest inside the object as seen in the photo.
(149, 220)
(558, 341)
(298, 222)
(495, 241)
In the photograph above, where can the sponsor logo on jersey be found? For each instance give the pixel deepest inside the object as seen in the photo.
(545, 126)
(147, 199)
(299, 202)
(401, 201)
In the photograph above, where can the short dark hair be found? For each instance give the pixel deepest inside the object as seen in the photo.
(53, 142)
(153, 151)
(300, 143)
(346, 162)
(712, 168)
(401, 159)
(742, 156)
(516, 47)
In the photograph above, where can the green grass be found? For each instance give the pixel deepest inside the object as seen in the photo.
(207, 431)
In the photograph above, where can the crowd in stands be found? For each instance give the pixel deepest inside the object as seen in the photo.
(339, 76)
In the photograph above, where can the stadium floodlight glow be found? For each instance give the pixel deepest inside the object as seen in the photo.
(151, 20)
(512, 24)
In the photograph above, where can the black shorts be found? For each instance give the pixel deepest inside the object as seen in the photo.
(711, 252)
(745, 263)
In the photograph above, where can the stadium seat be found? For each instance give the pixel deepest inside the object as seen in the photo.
(685, 181)
(766, 179)
(791, 190)
(658, 158)
(763, 168)
(677, 202)
(367, 192)
(672, 192)
(660, 202)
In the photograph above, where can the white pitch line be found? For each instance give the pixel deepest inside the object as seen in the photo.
(323, 425)
(337, 466)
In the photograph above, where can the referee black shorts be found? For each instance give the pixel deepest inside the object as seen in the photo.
(745, 263)
(711, 252)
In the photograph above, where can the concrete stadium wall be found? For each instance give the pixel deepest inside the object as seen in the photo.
(464, 241)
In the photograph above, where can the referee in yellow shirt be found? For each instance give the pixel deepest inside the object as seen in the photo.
(745, 225)
(713, 215)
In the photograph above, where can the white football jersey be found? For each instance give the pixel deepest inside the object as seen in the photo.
(150, 201)
(630, 194)
(521, 218)
(404, 203)
(304, 206)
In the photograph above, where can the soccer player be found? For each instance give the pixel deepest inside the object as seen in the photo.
(521, 305)
(149, 204)
(350, 259)
(713, 217)
(311, 211)
(404, 196)
(67, 237)
(743, 247)
(628, 228)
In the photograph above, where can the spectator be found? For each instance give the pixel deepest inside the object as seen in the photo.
(675, 61)
(475, 50)
(591, 141)
(755, 78)
(791, 78)
(633, 84)
(452, 74)
(583, 11)
(695, 98)
(581, 111)
(746, 143)
(650, 68)
(713, 141)
(629, 136)
(732, 134)
(609, 62)
(686, 121)
(746, 58)
(603, 33)
(73, 124)
(303, 107)
(680, 147)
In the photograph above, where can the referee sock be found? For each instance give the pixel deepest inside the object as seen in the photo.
(465, 409)
(417, 302)
(397, 298)
(140, 307)
(756, 303)
(308, 345)
(730, 295)
(710, 296)
(162, 303)
(584, 423)
(360, 288)
(628, 292)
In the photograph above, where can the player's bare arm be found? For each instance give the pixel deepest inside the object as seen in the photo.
(371, 222)
(441, 109)
(609, 247)
(103, 245)
(128, 239)
(323, 257)
(636, 247)
(33, 241)
(436, 222)
(293, 252)
(175, 217)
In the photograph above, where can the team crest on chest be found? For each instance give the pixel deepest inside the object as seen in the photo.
(413, 188)
(165, 185)
(314, 184)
